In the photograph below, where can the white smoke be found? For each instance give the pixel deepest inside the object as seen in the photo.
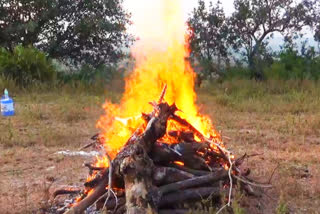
(151, 27)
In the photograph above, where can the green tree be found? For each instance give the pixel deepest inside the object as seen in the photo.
(26, 66)
(208, 35)
(316, 22)
(255, 21)
(83, 31)
(295, 63)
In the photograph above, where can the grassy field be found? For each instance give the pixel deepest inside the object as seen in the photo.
(280, 120)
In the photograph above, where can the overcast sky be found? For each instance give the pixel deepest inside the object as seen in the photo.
(188, 5)
(136, 7)
(145, 11)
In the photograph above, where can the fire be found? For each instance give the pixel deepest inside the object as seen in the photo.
(179, 163)
(161, 58)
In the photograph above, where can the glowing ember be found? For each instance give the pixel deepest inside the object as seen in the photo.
(179, 163)
(159, 62)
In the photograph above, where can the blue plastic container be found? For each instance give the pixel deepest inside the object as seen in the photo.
(7, 105)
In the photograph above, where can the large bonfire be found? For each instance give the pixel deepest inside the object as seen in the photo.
(163, 62)
(159, 150)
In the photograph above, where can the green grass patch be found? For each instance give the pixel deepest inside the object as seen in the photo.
(269, 96)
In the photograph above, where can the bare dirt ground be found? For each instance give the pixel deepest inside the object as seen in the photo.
(30, 169)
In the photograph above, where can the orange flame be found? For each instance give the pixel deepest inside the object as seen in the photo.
(161, 61)
(179, 163)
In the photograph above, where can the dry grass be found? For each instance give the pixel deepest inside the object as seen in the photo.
(280, 121)
(44, 123)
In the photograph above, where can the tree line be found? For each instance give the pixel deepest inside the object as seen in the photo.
(93, 33)
(214, 37)
(90, 31)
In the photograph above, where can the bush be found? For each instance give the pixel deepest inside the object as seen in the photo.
(237, 72)
(89, 75)
(289, 64)
(292, 65)
(26, 66)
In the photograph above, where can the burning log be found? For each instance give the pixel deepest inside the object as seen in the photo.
(137, 170)
(93, 168)
(98, 191)
(150, 175)
(134, 167)
(182, 135)
(189, 126)
(96, 180)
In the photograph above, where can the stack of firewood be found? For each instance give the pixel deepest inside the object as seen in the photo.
(152, 176)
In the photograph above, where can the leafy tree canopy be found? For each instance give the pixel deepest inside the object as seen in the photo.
(316, 17)
(208, 33)
(254, 21)
(82, 31)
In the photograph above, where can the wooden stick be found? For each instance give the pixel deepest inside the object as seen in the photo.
(167, 175)
(95, 137)
(92, 168)
(121, 210)
(156, 195)
(196, 181)
(188, 195)
(163, 93)
(174, 211)
(161, 153)
(189, 126)
(99, 190)
(192, 171)
(182, 135)
(96, 180)
(111, 204)
(87, 145)
(135, 165)
(66, 191)
(125, 166)
(185, 123)
(250, 182)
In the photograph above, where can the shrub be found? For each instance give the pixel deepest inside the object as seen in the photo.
(237, 72)
(26, 66)
(292, 65)
(90, 75)
(289, 64)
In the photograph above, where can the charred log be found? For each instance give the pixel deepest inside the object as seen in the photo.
(162, 153)
(188, 195)
(191, 171)
(137, 170)
(110, 204)
(93, 168)
(133, 161)
(157, 195)
(167, 175)
(174, 211)
(66, 191)
(150, 176)
(96, 180)
(186, 136)
(195, 181)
